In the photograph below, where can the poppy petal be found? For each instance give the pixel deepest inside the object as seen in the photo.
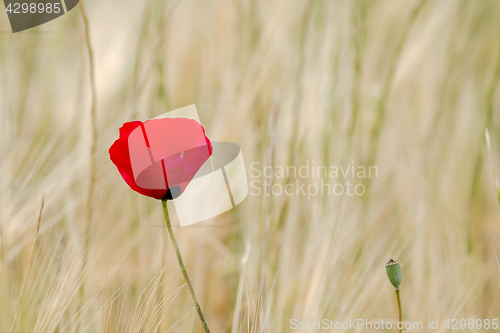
(178, 147)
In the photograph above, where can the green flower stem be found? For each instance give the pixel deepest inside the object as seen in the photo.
(399, 307)
(181, 263)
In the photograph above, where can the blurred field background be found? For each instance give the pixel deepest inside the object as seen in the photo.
(408, 86)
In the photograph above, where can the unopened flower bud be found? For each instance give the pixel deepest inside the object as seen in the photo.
(393, 271)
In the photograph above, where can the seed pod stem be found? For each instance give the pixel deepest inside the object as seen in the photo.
(399, 307)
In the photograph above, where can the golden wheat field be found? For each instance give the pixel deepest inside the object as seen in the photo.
(403, 89)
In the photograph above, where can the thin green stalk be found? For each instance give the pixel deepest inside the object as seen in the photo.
(93, 125)
(400, 312)
(93, 143)
(181, 264)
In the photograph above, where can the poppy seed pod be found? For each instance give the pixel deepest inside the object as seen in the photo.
(393, 270)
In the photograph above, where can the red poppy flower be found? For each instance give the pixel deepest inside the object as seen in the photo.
(159, 157)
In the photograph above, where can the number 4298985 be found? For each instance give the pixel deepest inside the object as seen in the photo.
(18, 8)
(455, 324)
